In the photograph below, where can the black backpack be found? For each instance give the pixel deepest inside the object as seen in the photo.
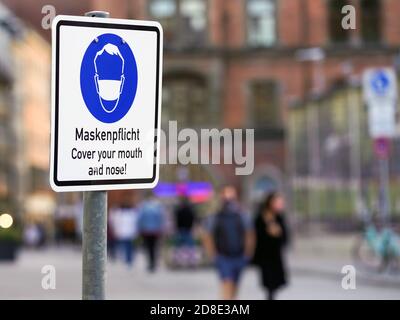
(229, 233)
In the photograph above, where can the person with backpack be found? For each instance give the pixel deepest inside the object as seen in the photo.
(228, 240)
(185, 217)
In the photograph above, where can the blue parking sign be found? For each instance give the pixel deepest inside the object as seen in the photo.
(380, 82)
(380, 95)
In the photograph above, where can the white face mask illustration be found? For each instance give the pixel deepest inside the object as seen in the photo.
(109, 90)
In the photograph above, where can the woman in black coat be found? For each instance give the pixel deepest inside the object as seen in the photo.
(271, 238)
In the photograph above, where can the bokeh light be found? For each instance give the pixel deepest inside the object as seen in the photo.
(6, 221)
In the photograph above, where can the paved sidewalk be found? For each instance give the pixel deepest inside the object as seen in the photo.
(22, 280)
(326, 254)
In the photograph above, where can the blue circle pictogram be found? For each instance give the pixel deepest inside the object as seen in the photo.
(108, 78)
(380, 83)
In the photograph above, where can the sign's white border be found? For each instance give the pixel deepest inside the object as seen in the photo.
(87, 185)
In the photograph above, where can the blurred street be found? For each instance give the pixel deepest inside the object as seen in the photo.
(317, 278)
(278, 139)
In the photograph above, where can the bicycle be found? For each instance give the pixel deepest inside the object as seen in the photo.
(378, 250)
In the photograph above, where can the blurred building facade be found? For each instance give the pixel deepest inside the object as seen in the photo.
(32, 55)
(242, 64)
(25, 116)
(9, 166)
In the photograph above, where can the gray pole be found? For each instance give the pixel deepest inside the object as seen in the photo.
(384, 190)
(94, 238)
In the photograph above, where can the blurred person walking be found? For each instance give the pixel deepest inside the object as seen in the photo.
(33, 235)
(111, 241)
(228, 239)
(185, 217)
(271, 238)
(123, 223)
(151, 226)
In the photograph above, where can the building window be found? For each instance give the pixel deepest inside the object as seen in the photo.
(186, 100)
(337, 33)
(370, 20)
(265, 104)
(261, 22)
(165, 11)
(194, 14)
(184, 21)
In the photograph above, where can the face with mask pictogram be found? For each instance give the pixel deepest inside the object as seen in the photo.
(109, 78)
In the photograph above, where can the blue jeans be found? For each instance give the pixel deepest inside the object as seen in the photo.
(127, 248)
(184, 238)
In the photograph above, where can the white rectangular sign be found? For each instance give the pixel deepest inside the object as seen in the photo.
(106, 103)
(380, 95)
(381, 121)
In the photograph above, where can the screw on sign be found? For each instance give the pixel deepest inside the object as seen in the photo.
(382, 147)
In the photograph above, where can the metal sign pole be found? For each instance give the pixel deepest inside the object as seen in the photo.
(382, 149)
(384, 190)
(94, 245)
(94, 239)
